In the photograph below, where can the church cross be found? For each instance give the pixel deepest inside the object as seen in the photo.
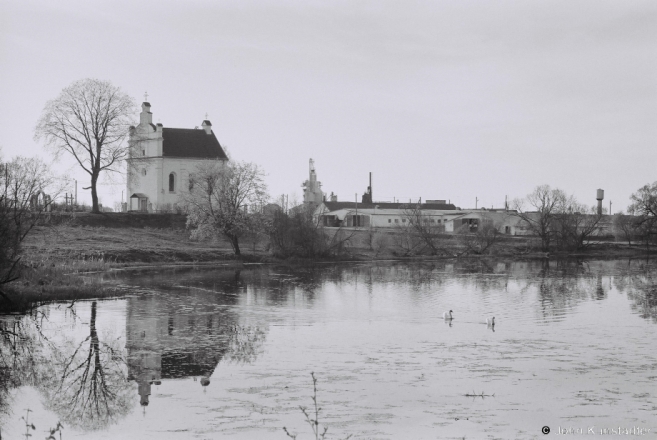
(206, 116)
(146, 96)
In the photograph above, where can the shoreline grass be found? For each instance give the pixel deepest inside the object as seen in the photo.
(62, 263)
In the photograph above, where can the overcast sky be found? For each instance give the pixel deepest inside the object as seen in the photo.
(438, 99)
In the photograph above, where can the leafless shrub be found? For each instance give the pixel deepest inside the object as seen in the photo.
(313, 422)
(481, 241)
(301, 234)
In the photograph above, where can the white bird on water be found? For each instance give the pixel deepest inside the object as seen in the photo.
(447, 316)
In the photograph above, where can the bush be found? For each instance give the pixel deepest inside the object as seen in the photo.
(301, 235)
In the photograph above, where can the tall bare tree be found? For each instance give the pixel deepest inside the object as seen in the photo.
(89, 120)
(220, 199)
(545, 204)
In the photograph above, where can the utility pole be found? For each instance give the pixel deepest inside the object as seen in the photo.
(76, 192)
(610, 207)
(356, 218)
(6, 182)
(476, 201)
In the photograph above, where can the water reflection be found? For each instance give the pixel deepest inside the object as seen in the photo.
(640, 285)
(85, 384)
(187, 332)
(21, 358)
(188, 323)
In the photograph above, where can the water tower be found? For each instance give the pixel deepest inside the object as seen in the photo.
(600, 195)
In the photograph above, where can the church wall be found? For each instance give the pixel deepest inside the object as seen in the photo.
(148, 184)
(155, 184)
(182, 168)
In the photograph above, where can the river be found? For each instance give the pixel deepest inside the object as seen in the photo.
(211, 353)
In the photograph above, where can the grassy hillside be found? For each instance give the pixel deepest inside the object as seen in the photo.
(120, 245)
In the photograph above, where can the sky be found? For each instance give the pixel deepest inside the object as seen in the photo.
(468, 101)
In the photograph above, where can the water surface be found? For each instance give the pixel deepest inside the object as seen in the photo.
(573, 347)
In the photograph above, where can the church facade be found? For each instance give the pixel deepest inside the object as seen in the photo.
(162, 162)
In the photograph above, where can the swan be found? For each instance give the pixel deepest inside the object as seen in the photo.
(490, 321)
(447, 316)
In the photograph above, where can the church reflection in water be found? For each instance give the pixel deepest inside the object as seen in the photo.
(186, 332)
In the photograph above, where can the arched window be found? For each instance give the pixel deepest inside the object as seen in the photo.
(191, 182)
(172, 182)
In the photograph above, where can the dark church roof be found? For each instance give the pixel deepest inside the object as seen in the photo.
(190, 142)
(334, 206)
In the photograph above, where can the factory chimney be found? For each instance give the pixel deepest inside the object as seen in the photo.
(367, 197)
(371, 195)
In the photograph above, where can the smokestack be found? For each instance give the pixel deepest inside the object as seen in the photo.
(599, 197)
(371, 192)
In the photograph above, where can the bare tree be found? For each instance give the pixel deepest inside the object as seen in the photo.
(219, 201)
(485, 237)
(644, 201)
(576, 224)
(256, 228)
(90, 120)
(545, 203)
(421, 230)
(644, 207)
(23, 203)
(625, 227)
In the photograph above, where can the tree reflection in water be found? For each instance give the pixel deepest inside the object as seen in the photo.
(640, 285)
(87, 386)
(21, 358)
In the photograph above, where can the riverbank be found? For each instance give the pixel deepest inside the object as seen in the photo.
(58, 258)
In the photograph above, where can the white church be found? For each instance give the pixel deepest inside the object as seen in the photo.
(162, 161)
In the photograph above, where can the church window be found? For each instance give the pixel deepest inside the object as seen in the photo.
(172, 182)
(191, 182)
(143, 152)
(143, 171)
